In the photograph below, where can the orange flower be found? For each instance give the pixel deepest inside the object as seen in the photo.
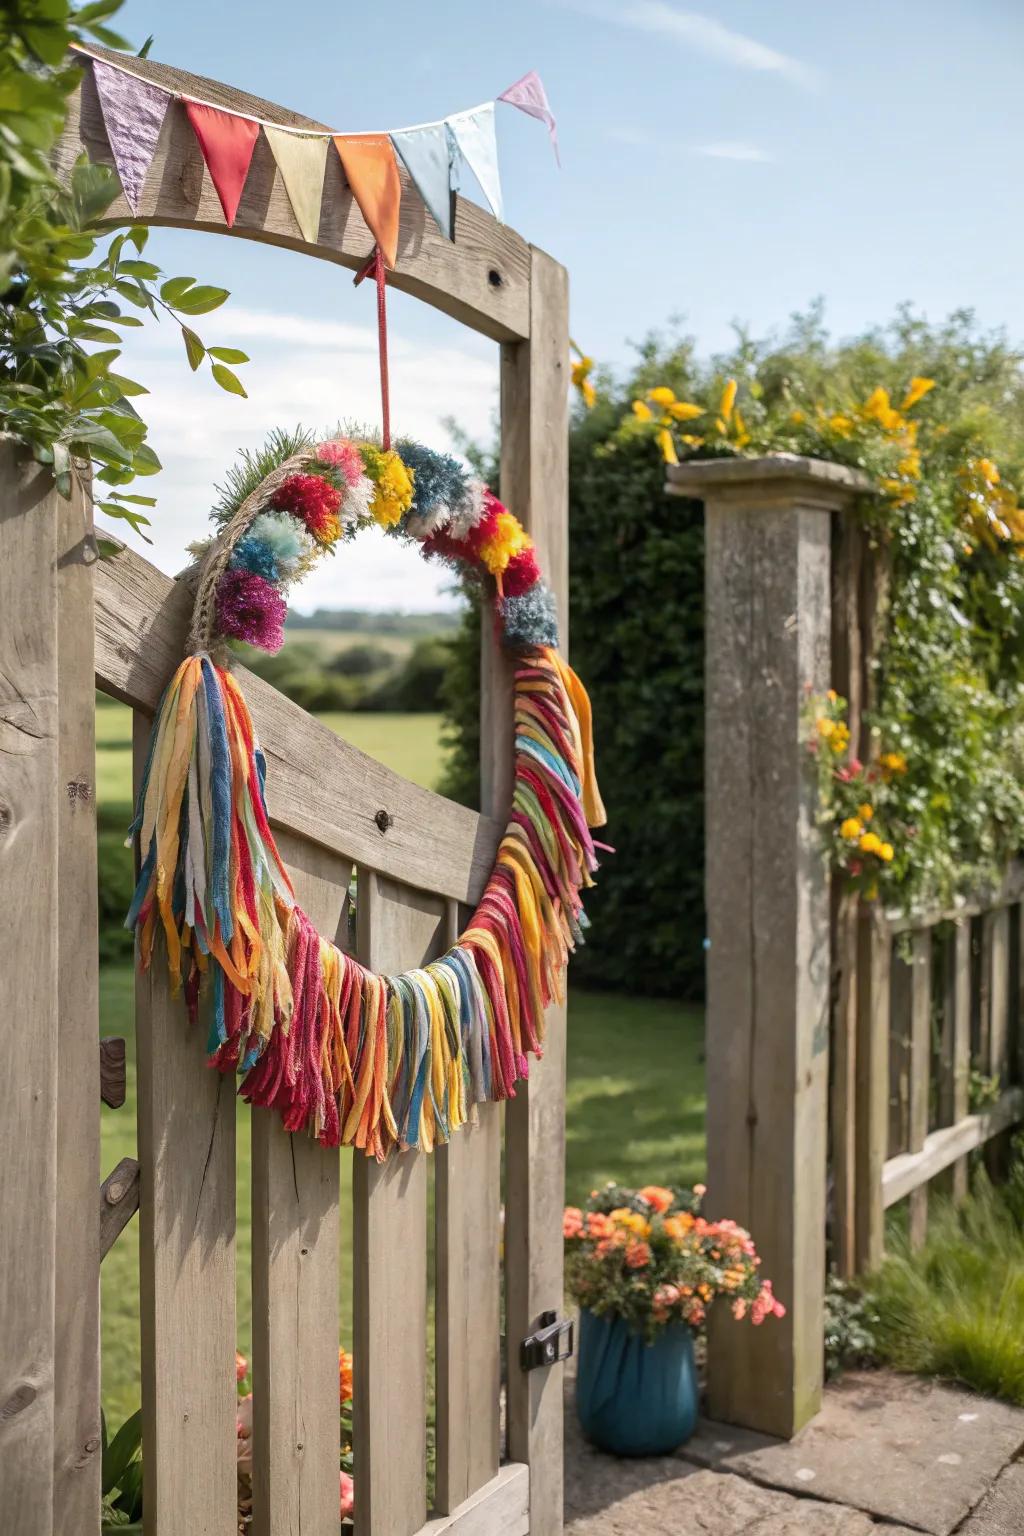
(344, 1376)
(638, 1255)
(241, 1366)
(572, 1221)
(598, 1224)
(657, 1198)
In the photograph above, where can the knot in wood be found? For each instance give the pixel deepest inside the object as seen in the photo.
(384, 820)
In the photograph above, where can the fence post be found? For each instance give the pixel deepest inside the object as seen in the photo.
(767, 642)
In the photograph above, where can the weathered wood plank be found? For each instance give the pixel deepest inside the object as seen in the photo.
(843, 1106)
(920, 1072)
(113, 1075)
(534, 484)
(1008, 891)
(944, 1147)
(999, 995)
(500, 1508)
(141, 624)
(396, 928)
(874, 955)
(186, 1140)
(29, 945)
(295, 1247)
(482, 278)
(77, 1433)
(467, 1195)
(119, 1200)
(901, 973)
(955, 1043)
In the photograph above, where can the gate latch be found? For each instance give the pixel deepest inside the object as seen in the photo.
(553, 1341)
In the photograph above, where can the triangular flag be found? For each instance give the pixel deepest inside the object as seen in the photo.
(301, 159)
(427, 156)
(368, 160)
(473, 136)
(529, 95)
(227, 142)
(133, 114)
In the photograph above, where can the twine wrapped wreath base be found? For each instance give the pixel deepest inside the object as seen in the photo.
(357, 1058)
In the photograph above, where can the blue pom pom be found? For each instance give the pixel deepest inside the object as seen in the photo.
(531, 619)
(252, 554)
(440, 479)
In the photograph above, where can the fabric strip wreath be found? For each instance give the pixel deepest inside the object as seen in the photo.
(356, 1058)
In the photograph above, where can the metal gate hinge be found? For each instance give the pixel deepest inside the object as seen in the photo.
(552, 1342)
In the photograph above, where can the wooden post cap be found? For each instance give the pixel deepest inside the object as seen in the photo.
(776, 477)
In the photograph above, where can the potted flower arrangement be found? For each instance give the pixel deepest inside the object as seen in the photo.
(645, 1266)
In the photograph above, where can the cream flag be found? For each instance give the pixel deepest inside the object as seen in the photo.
(301, 159)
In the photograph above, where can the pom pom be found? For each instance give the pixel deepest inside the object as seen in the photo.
(531, 619)
(252, 554)
(294, 549)
(250, 609)
(521, 573)
(355, 506)
(392, 482)
(507, 537)
(440, 484)
(469, 511)
(314, 501)
(343, 456)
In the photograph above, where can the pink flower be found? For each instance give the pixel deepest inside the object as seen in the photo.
(347, 1490)
(572, 1221)
(700, 1190)
(638, 1255)
(663, 1300)
(739, 1309)
(243, 1430)
(241, 1366)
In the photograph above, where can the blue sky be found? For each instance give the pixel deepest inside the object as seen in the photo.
(721, 164)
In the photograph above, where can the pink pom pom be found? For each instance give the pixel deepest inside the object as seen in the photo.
(342, 456)
(250, 609)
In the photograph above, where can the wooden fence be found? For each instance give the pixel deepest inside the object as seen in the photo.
(419, 860)
(842, 1041)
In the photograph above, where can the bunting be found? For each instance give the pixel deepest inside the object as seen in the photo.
(133, 115)
(227, 142)
(433, 154)
(371, 170)
(301, 158)
(473, 138)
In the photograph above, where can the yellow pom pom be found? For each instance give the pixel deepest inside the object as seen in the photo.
(393, 484)
(508, 538)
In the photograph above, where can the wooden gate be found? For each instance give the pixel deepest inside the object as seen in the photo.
(417, 865)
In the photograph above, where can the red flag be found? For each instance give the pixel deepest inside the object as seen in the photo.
(227, 143)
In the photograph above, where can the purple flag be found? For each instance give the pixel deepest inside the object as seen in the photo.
(133, 114)
(529, 95)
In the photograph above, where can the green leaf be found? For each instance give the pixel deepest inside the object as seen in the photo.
(228, 354)
(127, 386)
(201, 299)
(143, 52)
(145, 461)
(120, 1451)
(107, 548)
(194, 349)
(144, 270)
(138, 501)
(228, 380)
(138, 236)
(172, 291)
(98, 11)
(62, 469)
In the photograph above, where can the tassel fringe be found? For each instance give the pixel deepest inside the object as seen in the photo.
(359, 1059)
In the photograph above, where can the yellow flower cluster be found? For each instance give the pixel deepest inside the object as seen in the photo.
(508, 538)
(669, 411)
(892, 764)
(632, 1221)
(852, 830)
(582, 368)
(989, 511)
(835, 732)
(393, 484)
(878, 412)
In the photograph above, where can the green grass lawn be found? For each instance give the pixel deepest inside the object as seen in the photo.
(635, 1113)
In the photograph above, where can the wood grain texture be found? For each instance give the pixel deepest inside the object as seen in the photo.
(920, 1072)
(186, 1141)
(29, 945)
(945, 1147)
(901, 973)
(396, 928)
(843, 1097)
(534, 484)
(142, 620)
(768, 640)
(482, 278)
(500, 1508)
(77, 1433)
(295, 1247)
(119, 1200)
(113, 1072)
(874, 958)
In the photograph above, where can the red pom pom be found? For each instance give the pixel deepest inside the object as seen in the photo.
(521, 573)
(486, 526)
(314, 501)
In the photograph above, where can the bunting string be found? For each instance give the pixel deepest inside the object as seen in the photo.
(372, 1061)
(433, 154)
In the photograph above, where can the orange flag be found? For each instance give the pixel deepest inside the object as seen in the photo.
(368, 160)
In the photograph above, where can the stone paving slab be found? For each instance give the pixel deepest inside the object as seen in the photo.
(911, 1452)
(1001, 1511)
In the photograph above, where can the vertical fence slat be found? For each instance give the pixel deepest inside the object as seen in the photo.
(186, 1137)
(76, 1493)
(901, 988)
(920, 1070)
(843, 1106)
(874, 954)
(295, 1258)
(28, 1041)
(396, 928)
(467, 1193)
(534, 484)
(999, 996)
(961, 999)
(981, 1041)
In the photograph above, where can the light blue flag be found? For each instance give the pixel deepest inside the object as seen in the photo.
(473, 139)
(426, 154)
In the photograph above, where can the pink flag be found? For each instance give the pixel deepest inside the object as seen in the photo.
(133, 114)
(529, 95)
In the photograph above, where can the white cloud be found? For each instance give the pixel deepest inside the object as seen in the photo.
(704, 34)
(732, 150)
(197, 431)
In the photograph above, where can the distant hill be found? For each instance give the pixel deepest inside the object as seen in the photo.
(411, 626)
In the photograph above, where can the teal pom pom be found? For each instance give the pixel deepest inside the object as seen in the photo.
(285, 540)
(440, 484)
(531, 619)
(259, 559)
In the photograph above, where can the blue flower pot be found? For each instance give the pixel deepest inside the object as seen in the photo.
(635, 1398)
